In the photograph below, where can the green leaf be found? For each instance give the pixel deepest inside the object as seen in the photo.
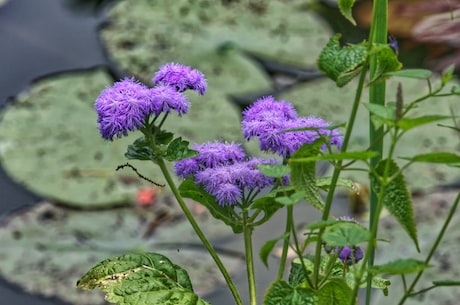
(400, 266)
(178, 150)
(267, 204)
(291, 199)
(455, 90)
(447, 74)
(345, 7)
(325, 183)
(140, 150)
(319, 224)
(385, 112)
(303, 174)
(274, 170)
(141, 279)
(412, 73)
(397, 198)
(189, 189)
(335, 292)
(409, 123)
(345, 233)
(387, 61)
(349, 155)
(281, 293)
(341, 64)
(267, 248)
(435, 157)
(162, 137)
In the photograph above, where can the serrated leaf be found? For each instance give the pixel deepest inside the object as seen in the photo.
(140, 150)
(303, 174)
(412, 73)
(387, 61)
(345, 233)
(325, 183)
(436, 157)
(162, 136)
(189, 189)
(341, 64)
(268, 246)
(397, 198)
(281, 293)
(141, 279)
(335, 292)
(345, 7)
(178, 150)
(274, 170)
(409, 123)
(400, 266)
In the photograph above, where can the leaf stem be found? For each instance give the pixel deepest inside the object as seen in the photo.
(200, 233)
(247, 233)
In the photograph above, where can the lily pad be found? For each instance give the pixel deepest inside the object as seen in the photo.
(46, 249)
(50, 143)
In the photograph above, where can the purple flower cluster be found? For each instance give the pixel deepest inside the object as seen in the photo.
(128, 103)
(224, 171)
(268, 119)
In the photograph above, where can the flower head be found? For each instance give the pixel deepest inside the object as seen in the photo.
(350, 255)
(121, 108)
(268, 120)
(166, 98)
(181, 78)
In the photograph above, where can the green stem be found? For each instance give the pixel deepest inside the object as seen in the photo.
(287, 232)
(200, 233)
(433, 248)
(247, 232)
(378, 34)
(338, 169)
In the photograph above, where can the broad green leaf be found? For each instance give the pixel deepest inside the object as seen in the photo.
(281, 293)
(274, 170)
(141, 279)
(268, 247)
(349, 155)
(341, 64)
(412, 73)
(162, 136)
(397, 198)
(409, 123)
(387, 61)
(335, 292)
(303, 174)
(345, 7)
(140, 150)
(345, 233)
(291, 199)
(400, 266)
(189, 189)
(436, 157)
(385, 112)
(178, 150)
(319, 224)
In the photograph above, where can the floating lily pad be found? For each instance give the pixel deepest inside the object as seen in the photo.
(46, 249)
(50, 143)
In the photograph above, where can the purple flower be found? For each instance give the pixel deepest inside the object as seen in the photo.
(165, 98)
(181, 78)
(268, 120)
(350, 255)
(121, 108)
(217, 153)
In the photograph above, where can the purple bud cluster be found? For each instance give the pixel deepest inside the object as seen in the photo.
(268, 119)
(224, 170)
(349, 255)
(128, 103)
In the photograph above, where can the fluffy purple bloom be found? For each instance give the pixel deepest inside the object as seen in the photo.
(217, 153)
(121, 108)
(268, 120)
(181, 78)
(165, 98)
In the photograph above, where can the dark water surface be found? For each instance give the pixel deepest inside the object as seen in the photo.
(38, 38)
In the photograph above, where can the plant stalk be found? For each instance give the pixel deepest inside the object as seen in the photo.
(247, 232)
